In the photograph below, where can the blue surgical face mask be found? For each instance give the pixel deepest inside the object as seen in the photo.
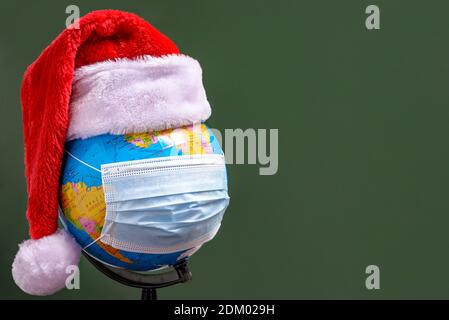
(164, 205)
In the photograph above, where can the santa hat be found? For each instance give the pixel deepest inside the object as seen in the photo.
(115, 74)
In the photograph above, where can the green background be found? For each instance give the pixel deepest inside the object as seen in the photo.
(363, 150)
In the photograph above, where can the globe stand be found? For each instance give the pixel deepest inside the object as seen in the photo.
(148, 282)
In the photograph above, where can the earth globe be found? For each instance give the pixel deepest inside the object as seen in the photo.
(81, 196)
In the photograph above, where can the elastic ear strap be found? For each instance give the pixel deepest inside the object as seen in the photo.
(82, 162)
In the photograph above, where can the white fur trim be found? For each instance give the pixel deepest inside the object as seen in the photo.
(130, 96)
(39, 267)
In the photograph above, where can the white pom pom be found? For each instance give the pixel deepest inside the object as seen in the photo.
(40, 265)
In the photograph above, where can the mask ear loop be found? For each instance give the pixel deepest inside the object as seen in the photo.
(81, 161)
(95, 241)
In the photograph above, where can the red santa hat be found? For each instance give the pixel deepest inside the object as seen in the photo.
(114, 74)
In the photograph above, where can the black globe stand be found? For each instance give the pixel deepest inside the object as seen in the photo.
(148, 294)
(148, 282)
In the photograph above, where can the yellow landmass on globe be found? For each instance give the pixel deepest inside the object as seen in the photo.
(142, 140)
(193, 139)
(85, 208)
